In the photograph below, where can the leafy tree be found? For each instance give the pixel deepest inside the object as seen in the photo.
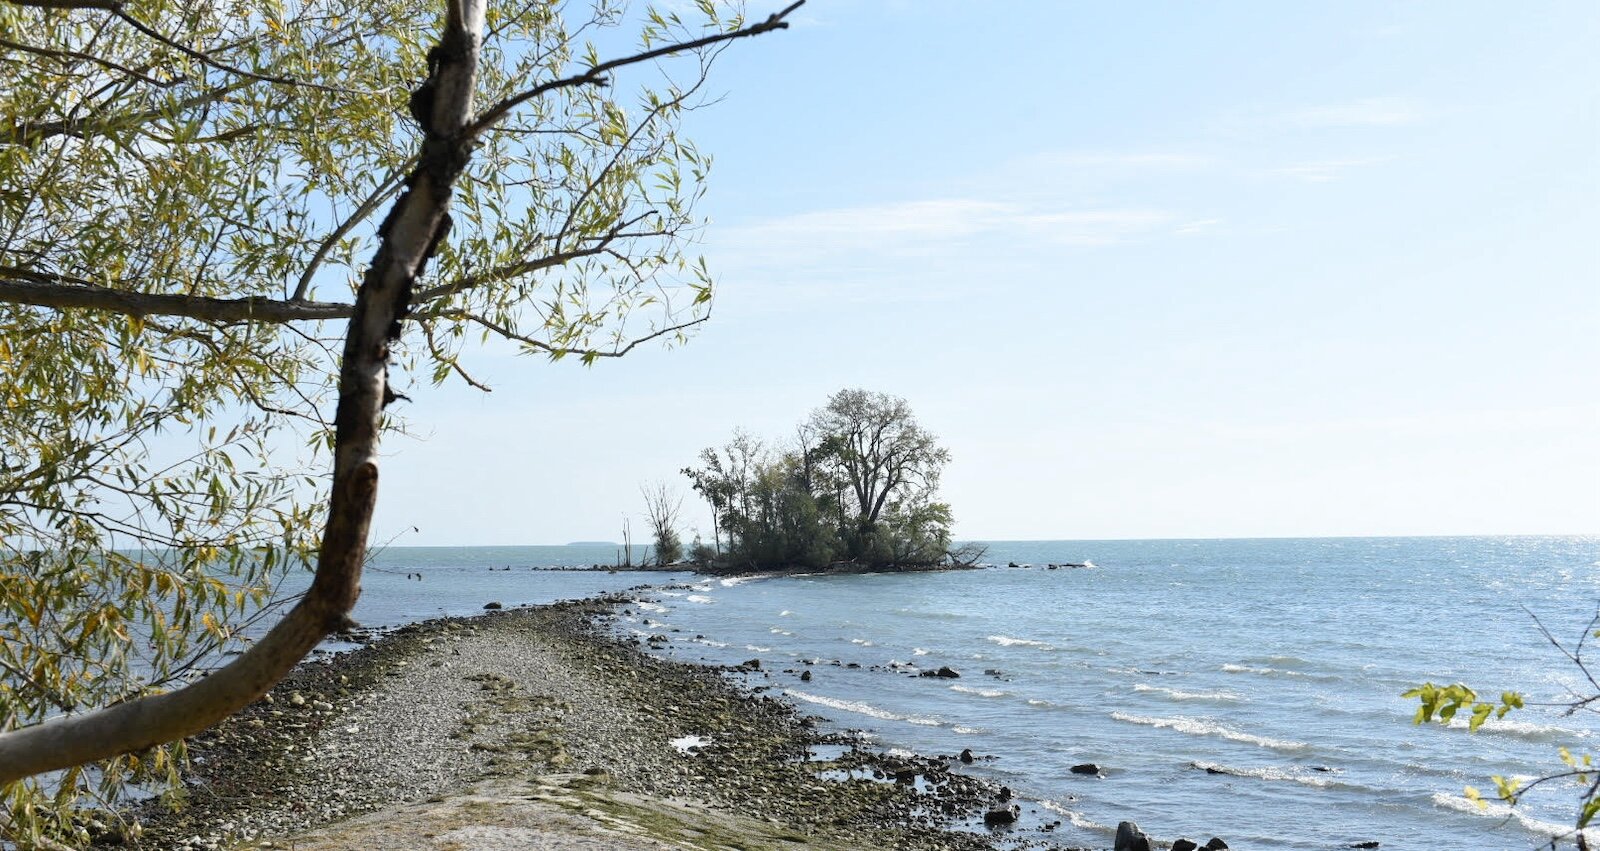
(888, 462)
(860, 484)
(216, 220)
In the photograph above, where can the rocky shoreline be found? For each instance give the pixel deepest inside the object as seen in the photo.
(538, 716)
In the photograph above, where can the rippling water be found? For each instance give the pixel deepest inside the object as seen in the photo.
(1276, 664)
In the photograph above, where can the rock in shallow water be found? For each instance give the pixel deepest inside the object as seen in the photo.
(1131, 838)
(1086, 768)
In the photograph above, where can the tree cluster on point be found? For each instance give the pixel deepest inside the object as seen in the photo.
(857, 488)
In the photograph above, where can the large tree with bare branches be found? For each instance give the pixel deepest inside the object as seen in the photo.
(220, 219)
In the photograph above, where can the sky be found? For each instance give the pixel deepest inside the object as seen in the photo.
(1153, 270)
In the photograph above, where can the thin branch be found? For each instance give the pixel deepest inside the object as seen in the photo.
(85, 57)
(26, 133)
(367, 208)
(204, 59)
(111, 5)
(562, 351)
(523, 267)
(595, 75)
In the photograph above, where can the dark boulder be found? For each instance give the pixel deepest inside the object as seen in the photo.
(1371, 843)
(1086, 768)
(905, 776)
(1184, 845)
(1216, 844)
(1001, 816)
(493, 605)
(805, 676)
(946, 672)
(966, 756)
(1131, 838)
(751, 664)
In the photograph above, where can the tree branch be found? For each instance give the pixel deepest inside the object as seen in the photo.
(595, 75)
(60, 292)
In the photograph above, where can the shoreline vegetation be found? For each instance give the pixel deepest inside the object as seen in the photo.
(535, 727)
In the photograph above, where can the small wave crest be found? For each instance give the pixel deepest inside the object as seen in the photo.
(652, 607)
(1076, 819)
(860, 708)
(1231, 668)
(861, 641)
(1206, 727)
(1518, 728)
(918, 651)
(1267, 773)
(1179, 694)
(981, 692)
(1008, 641)
(699, 598)
(1460, 804)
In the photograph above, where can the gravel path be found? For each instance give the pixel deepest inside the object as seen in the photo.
(533, 728)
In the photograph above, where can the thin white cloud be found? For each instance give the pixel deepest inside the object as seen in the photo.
(1363, 112)
(1142, 161)
(1325, 171)
(931, 226)
(1197, 226)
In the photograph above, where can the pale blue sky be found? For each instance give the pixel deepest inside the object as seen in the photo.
(1150, 270)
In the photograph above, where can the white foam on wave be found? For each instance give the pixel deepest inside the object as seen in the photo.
(1268, 773)
(757, 648)
(859, 708)
(1231, 668)
(652, 607)
(700, 598)
(981, 692)
(862, 641)
(1518, 728)
(1034, 701)
(1206, 727)
(785, 613)
(736, 580)
(776, 631)
(1075, 818)
(1490, 809)
(1179, 694)
(918, 651)
(1008, 641)
(966, 731)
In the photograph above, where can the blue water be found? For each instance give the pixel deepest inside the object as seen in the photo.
(1264, 659)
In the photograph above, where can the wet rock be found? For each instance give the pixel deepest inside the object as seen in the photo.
(493, 604)
(1371, 843)
(805, 676)
(751, 664)
(1086, 768)
(966, 756)
(1001, 816)
(945, 672)
(905, 776)
(1131, 838)
(1216, 844)
(1183, 845)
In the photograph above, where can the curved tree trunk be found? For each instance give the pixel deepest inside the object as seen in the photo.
(414, 226)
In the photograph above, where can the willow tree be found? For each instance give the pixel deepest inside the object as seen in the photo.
(218, 219)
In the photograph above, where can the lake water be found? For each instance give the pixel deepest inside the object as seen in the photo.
(1278, 663)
